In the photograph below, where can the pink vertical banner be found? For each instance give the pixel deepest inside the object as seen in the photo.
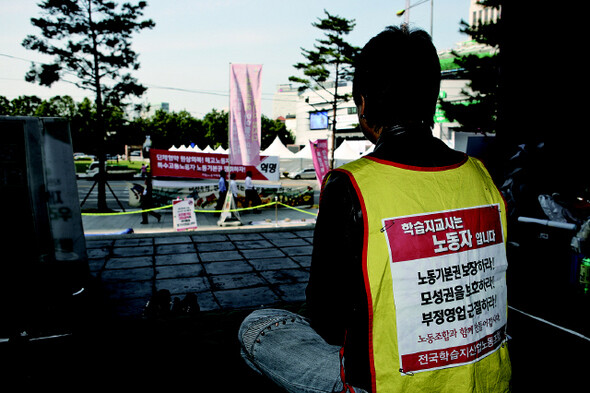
(245, 114)
(319, 155)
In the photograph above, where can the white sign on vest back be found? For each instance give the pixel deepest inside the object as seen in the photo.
(449, 286)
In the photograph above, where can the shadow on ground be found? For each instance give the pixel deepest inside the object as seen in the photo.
(196, 352)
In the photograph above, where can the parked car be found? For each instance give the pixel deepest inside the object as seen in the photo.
(85, 157)
(308, 173)
(113, 172)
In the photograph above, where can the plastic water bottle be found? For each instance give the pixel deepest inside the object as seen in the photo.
(585, 275)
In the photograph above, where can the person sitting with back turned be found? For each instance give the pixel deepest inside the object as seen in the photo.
(394, 229)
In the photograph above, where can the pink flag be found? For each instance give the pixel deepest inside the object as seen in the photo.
(245, 113)
(319, 154)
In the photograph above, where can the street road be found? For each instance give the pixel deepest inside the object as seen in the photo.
(119, 188)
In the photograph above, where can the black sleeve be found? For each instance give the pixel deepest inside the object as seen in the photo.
(336, 269)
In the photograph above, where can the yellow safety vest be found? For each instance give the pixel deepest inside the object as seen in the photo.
(434, 265)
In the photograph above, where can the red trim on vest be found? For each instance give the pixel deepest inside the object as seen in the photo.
(418, 168)
(345, 387)
(365, 275)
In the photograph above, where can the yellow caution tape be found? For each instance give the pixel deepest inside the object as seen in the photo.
(199, 211)
(294, 208)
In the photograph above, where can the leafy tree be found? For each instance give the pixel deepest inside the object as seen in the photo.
(82, 127)
(174, 128)
(478, 112)
(215, 128)
(331, 59)
(5, 106)
(24, 105)
(273, 128)
(165, 128)
(62, 106)
(59, 106)
(90, 41)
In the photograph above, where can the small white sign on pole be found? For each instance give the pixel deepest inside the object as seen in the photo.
(183, 211)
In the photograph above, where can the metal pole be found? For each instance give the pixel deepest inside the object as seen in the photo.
(407, 16)
(276, 212)
(229, 150)
(431, 18)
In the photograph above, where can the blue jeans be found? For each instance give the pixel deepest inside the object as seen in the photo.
(283, 346)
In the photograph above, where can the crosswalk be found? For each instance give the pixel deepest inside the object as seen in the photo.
(88, 194)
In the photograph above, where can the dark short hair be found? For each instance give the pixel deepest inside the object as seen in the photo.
(398, 74)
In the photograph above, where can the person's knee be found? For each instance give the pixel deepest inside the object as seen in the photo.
(255, 323)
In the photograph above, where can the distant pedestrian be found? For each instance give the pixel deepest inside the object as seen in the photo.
(143, 171)
(147, 203)
(222, 189)
(251, 193)
(233, 187)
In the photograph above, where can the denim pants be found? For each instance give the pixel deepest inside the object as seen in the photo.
(283, 346)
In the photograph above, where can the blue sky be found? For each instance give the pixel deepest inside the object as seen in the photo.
(194, 41)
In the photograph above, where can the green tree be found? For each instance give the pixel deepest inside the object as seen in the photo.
(271, 129)
(215, 128)
(331, 60)
(58, 106)
(24, 105)
(478, 111)
(90, 41)
(174, 128)
(4, 106)
(82, 127)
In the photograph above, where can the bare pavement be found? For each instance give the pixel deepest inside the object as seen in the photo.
(109, 341)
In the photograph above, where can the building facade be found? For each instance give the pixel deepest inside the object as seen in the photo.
(309, 114)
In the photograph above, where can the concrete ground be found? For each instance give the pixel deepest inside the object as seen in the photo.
(107, 341)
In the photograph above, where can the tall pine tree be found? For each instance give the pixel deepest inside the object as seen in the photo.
(90, 41)
(331, 60)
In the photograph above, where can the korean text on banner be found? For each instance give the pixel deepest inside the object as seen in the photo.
(319, 154)
(448, 270)
(167, 163)
(245, 113)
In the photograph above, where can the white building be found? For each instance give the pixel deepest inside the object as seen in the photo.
(309, 114)
(479, 14)
(315, 115)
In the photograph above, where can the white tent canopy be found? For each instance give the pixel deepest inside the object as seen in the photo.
(277, 148)
(290, 162)
(346, 152)
(304, 153)
(362, 146)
